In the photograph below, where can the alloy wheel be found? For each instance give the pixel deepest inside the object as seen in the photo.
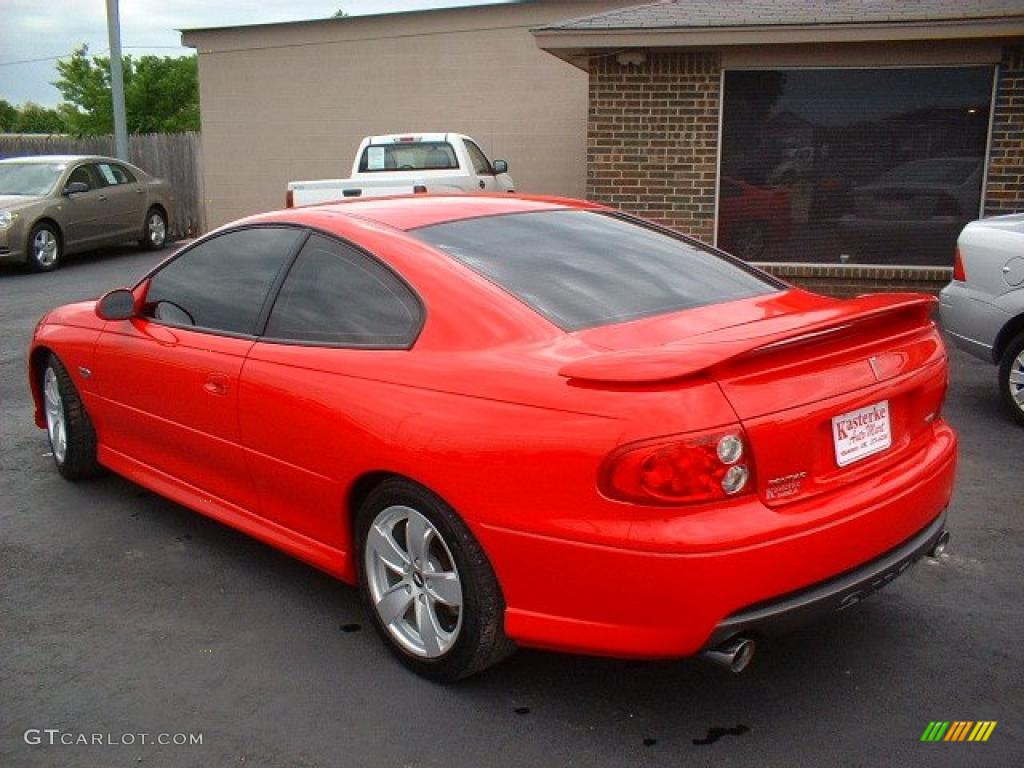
(45, 248)
(1016, 380)
(157, 228)
(413, 582)
(56, 425)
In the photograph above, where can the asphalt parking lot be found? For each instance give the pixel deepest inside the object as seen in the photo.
(123, 614)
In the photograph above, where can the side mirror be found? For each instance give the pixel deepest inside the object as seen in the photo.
(500, 166)
(76, 187)
(118, 304)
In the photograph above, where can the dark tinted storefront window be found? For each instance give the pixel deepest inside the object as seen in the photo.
(878, 166)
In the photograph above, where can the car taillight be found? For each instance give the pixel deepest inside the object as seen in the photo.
(686, 470)
(959, 273)
(289, 199)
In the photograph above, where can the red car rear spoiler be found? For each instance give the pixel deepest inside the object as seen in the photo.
(679, 359)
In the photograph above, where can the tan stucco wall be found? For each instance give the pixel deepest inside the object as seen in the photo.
(292, 101)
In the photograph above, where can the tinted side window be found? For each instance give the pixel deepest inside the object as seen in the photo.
(221, 284)
(336, 295)
(480, 162)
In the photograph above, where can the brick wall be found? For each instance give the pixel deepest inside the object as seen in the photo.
(1004, 192)
(852, 279)
(652, 137)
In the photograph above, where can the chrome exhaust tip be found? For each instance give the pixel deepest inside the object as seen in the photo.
(940, 545)
(736, 654)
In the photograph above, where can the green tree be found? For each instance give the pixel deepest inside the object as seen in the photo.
(161, 94)
(32, 118)
(8, 116)
(164, 95)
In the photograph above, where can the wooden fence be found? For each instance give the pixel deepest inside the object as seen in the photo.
(174, 157)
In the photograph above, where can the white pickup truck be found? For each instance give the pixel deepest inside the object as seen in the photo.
(408, 163)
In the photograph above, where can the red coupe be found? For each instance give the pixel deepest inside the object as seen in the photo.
(518, 421)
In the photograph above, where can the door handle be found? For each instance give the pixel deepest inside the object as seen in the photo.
(139, 190)
(217, 384)
(101, 197)
(483, 184)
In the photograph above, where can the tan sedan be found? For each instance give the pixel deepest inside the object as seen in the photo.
(53, 205)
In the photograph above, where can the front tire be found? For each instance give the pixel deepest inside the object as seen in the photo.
(68, 427)
(1011, 377)
(430, 589)
(154, 233)
(44, 248)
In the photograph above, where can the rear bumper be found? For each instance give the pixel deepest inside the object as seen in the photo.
(972, 323)
(791, 611)
(606, 600)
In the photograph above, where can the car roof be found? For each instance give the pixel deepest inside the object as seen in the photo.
(407, 212)
(409, 138)
(62, 159)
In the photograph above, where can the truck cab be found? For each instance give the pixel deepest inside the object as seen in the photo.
(409, 163)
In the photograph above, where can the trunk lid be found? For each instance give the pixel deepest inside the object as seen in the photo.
(827, 394)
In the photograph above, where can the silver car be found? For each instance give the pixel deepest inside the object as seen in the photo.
(53, 205)
(983, 308)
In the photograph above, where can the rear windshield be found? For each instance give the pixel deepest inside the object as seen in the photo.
(412, 156)
(582, 269)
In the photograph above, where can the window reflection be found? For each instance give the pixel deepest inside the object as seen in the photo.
(873, 166)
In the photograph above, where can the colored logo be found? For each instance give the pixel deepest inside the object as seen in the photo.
(958, 730)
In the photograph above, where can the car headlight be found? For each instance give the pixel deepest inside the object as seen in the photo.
(6, 219)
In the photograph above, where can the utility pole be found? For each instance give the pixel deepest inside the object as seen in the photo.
(117, 80)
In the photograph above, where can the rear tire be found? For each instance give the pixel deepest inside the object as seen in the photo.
(436, 604)
(1011, 377)
(154, 230)
(68, 427)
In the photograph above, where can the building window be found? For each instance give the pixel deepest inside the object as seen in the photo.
(876, 166)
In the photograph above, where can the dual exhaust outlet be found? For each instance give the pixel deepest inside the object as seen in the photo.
(737, 653)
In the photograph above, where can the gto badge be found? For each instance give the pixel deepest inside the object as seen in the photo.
(787, 485)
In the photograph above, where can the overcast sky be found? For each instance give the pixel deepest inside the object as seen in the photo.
(31, 30)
